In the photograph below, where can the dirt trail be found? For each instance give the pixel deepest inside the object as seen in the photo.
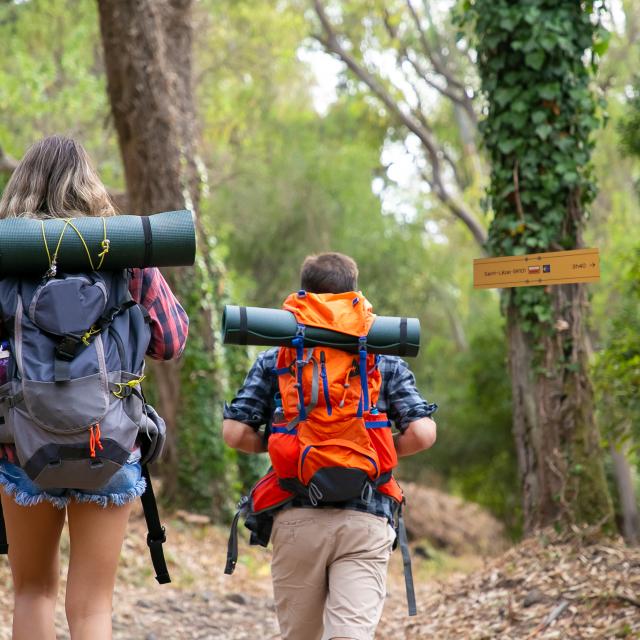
(202, 602)
(541, 589)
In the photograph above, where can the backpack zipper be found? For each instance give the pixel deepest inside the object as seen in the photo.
(325, 383)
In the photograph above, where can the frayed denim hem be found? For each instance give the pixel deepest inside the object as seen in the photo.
(25, 499)
(115, 499)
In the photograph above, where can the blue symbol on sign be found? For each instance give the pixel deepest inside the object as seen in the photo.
(546, 268)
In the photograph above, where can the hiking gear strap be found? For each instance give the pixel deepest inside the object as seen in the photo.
(156, 535)
(232, 546)
(148, 240)
(406, 561)
(402, 348)
(243, 333)
(65, 352)
(4, 546)
(298, 343)
(364, 380)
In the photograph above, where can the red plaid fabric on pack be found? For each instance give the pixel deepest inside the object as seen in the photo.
(169, 321)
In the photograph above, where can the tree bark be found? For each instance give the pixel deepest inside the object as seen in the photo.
(557, 439)
(624, 476)
(147, 47)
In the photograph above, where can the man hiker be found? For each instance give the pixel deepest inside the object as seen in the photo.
(328, 418)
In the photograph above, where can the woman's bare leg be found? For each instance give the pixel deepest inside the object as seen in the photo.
(33, 534)
(96, 536)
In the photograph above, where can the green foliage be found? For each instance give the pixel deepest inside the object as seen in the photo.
(475, 454)
(629, 125)
(541, 113)
(617, 367)
(52, 80)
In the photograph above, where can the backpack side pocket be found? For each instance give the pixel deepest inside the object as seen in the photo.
(153, 434)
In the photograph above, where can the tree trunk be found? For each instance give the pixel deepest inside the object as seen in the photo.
(540, 119)
(557, 439)
(147, 46)
(624, 476)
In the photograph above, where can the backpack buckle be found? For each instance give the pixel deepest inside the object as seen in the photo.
(151, 543)
(67, 348)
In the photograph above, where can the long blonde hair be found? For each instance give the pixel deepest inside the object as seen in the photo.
(55, 179)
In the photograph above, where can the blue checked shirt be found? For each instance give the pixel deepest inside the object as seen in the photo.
(254, 405)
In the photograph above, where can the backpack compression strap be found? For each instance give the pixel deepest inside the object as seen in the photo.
(4, 547)
(232, 546)
(156, 535)
(403, 542)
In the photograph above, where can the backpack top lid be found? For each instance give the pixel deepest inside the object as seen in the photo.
(349, 312)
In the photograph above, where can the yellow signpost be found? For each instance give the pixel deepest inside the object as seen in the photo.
(536, 269)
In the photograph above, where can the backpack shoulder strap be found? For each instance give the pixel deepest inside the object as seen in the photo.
(403, 543)
(156, 535)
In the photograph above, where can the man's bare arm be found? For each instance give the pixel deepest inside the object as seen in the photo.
(242, 437)
(419, 435)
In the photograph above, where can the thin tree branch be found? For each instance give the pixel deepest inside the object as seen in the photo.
(7, 163)
(442, 151)
(434, 58)
(423, 73)
(458, 210)
(331, 43)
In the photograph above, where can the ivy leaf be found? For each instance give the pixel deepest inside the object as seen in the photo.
(535, 60)
(543, 131)
(538, 117)
(549, 91)
(603, 38)
(503, 96)
(508, 23)
(548, 42)
(507, 145)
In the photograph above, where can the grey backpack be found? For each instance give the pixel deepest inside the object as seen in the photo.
(72, 405)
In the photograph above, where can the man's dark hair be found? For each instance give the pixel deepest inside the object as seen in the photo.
(329, 273)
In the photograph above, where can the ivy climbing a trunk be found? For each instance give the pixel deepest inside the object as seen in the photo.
(536, 61)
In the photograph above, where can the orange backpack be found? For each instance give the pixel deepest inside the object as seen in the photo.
(328, 440)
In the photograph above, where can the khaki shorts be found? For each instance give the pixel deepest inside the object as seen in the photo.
(329, 572)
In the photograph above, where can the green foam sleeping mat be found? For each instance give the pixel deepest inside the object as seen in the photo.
(275, 327)
(161, 240)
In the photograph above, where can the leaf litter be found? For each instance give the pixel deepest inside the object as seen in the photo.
(543, 588)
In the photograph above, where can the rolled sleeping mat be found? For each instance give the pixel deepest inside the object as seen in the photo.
(276, 327)
(160, 240)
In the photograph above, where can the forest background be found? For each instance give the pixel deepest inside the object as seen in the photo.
(295, 155)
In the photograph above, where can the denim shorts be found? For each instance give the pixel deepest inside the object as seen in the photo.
(125, 485)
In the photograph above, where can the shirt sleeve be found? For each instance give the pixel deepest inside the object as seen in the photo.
(168, 320)
(404, 402)
(253, 402)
